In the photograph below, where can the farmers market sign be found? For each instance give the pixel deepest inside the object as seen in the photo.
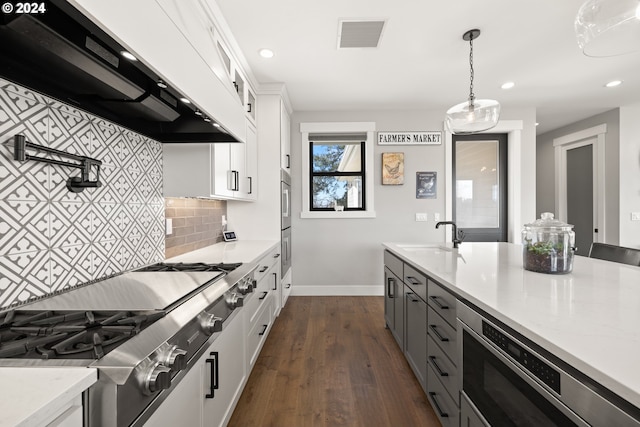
(409, 138)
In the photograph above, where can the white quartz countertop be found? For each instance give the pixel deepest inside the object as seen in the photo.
(229, 252)
(31, 396)
(590, 318)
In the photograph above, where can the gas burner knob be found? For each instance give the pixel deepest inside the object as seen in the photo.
(158, 378)
(245, 287)
(210, 324)
(234, 300)
(174, 358)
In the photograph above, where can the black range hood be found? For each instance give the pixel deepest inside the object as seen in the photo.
(64, 55)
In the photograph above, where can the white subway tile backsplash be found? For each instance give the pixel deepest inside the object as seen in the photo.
(51, 238)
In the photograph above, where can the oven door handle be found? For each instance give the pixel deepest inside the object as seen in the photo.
(214, 376)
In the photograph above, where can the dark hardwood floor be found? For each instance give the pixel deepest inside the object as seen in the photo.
(330, 361)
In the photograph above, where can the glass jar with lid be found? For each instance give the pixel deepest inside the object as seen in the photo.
(548, 245)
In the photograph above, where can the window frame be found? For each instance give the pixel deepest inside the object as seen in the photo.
(362, 173)
(367, 128)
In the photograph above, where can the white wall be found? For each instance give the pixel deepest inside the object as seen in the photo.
(546, 174)
(344, 256)
(629, 175)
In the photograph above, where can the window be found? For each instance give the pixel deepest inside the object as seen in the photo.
(338, 170)
(337, 175)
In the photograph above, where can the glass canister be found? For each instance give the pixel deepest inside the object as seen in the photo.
(548, 245)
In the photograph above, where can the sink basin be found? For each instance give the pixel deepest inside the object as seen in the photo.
(417, 247)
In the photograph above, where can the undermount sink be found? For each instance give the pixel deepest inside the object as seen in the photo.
(417, 247)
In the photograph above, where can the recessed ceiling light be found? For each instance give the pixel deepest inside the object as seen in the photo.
(198, 112)
(161, 84)
(216, 125)
(508, 85)
(266, 53)
(128, 55)
(206, 119)
(614, 83)
(185, 100)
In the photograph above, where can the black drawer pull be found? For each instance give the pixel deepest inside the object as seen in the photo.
(432, 395)
(214, 376)
(413, 299)
(391, 284)
(437, 334)
(436, 301)
(413, 280)
(437, 368)
(264, 295)
(263, 269)
(264, 329)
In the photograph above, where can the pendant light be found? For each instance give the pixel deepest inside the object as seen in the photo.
(474, 115)
(608, 27)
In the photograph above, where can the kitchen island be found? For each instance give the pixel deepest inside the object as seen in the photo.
(588, 318)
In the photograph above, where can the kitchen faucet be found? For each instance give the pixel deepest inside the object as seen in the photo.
(454, 239)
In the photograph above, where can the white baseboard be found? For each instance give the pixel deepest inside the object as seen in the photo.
(370, 290)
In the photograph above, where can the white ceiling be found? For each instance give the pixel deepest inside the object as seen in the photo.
(422, 61)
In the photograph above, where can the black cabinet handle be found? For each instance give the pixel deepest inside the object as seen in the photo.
(413, 280)
(264, 295)
(276, 256)
(249, 105)
(263, 269)
(436, 301)
(237, 184)
(288, 285)
(437, 368)
(442, 414)
(413, 299)
(250, 185)
(264, 329)
(215, 379)
(437, 334)
(390, 285)
(288, 161)
(275, 281)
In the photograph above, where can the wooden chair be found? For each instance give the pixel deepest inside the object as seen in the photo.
(615, 253)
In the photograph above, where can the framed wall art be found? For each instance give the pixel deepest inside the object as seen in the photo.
(392, 168)
(426, 185)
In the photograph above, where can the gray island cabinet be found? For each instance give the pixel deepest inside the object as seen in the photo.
(446, 308)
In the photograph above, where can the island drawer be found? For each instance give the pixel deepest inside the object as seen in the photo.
(393, 263)
(443, 367)
(443, 334)
(416, 281)
(443, 405)
(442, 302)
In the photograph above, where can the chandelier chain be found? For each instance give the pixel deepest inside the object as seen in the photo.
(471, 94)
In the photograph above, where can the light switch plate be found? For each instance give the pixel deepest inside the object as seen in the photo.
(635, 216)
(421, 217)
(168, 226)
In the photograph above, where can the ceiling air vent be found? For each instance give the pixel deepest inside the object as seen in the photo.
(359, 34)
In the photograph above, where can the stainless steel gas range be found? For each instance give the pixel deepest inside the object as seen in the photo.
(142, 330)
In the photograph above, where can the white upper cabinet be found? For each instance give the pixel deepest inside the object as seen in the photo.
(285, 138)
(176, 43)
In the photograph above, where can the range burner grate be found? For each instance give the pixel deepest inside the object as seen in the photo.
(196, 266)
(69, 334)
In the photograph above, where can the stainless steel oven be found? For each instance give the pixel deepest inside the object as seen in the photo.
(509, 381)
(285, 214)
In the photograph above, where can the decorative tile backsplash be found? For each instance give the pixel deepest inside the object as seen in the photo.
(51, 238)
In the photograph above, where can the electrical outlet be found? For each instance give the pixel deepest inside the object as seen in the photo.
(168, 226)
(436, 217)
(422, 217)
(635, 216)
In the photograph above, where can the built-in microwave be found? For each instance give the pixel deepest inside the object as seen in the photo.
(509, 381)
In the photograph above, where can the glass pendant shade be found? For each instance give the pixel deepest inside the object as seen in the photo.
(608, 27)
(467, 118)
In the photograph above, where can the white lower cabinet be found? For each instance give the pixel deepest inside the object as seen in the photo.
(260, 326)
(287, 282)
(71, 417)
(224, 373)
